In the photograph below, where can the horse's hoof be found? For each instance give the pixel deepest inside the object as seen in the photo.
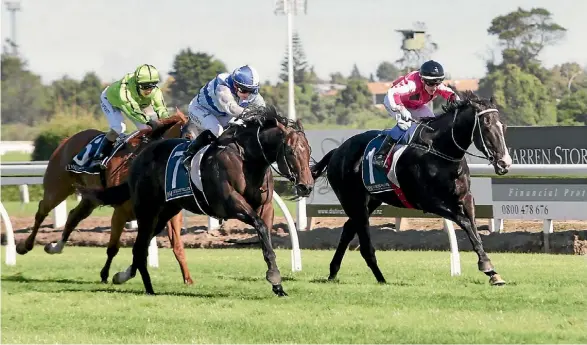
(496, 280)
(331, 278)
(188, 281)
(485, 266)
(278, 290)
(49, 248)
(104, 281)
(150, 293)
(116, 279)
(21, 248)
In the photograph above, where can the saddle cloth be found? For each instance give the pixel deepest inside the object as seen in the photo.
(377, 179)
(81, 163)
(177, 182)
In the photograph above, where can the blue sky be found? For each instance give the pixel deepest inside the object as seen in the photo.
(111, 37)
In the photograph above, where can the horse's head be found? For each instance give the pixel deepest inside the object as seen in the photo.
(488, 132)
(175, 126)
(287, 141)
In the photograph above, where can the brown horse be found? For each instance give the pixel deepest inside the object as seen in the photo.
(236, 180)
(59, 183)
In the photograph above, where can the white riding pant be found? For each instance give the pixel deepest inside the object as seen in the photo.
(206, 120)
(115, 117)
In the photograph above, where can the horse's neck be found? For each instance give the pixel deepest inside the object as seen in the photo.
(453, 134)
(261, 147)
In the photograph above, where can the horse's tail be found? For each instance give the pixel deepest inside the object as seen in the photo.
(116, 195)
(319, 168)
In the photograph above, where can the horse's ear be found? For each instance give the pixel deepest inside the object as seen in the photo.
(492, 100)
(299, 124)
(181, 115)
(278, 124)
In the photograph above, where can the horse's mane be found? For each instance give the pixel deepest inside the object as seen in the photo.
(467, 98)
(258, 116)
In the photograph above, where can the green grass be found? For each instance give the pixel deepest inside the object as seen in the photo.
(18, 209)
(58, 299)
(15, 157)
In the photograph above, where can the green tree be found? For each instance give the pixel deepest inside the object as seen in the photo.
(522, 97)
(65, 91)
(356, 93)
(190, 72)
(524, 34)
(572, 109)
(300, 64)
(89, 94)
(356, 74)
(565, 79)
(387, 71)
(24, 98)
(338, 78)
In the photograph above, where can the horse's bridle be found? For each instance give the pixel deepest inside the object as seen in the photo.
(286, 149)
(488, 156)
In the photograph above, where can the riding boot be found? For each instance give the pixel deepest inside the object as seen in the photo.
(381, 154)
(104, 151)
(201, 140)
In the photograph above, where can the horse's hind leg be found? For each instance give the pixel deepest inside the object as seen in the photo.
(366, 246)
(174, 233)
(79, 213)
(53, 195)
(119, 218)
(141, 248)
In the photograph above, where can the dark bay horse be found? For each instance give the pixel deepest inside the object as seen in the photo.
(237, 182)
(432, 173)
(59, 183)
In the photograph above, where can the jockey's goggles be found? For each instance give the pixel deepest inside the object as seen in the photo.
(147, 86)
(432, 82)
(242, 89)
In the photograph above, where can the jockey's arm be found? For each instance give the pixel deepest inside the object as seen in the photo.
(447, 93)
(394, 94)
(159, 105)
(227, 101)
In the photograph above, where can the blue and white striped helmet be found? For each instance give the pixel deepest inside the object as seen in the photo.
(246, 78)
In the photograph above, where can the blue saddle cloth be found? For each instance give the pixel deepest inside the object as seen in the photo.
(374, 177)
(177, 179)
(82, 161)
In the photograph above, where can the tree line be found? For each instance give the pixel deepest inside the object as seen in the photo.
(527, 92)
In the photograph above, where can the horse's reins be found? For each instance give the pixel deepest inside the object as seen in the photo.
(290, 176)
(476, 125)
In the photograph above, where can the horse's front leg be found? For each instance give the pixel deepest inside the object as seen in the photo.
(466, 220)
(267, 213)
(245, 213)
(463, 213)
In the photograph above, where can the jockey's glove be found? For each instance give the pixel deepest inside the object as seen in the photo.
(235, 121)
(403, 125)
(405, 115)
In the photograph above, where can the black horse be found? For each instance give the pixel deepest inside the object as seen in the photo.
(432, 173)
(236, 178)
